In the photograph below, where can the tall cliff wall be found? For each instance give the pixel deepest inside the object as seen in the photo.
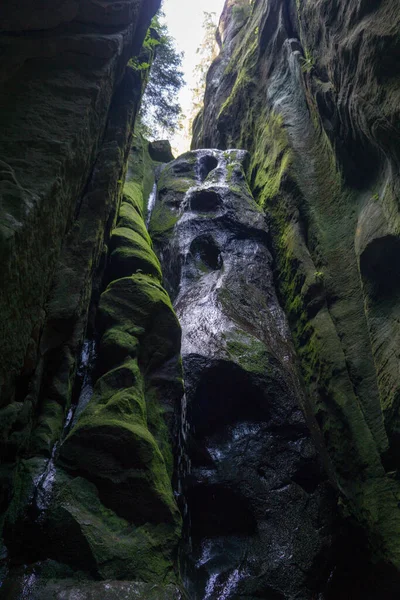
(311, 89)
(259, 510)
(281, 264)
(97, 502)
(85, 488)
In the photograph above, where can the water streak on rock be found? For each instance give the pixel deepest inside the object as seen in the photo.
(151, 204)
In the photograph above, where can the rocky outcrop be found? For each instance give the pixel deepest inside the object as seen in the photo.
(101, 505)
(161, 151)
(260, 512)
(311, 89)
(281, 264)
(86, 447)
(104, 590)
(68, 103)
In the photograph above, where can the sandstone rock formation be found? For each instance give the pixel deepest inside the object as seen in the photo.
(102, 504)
(199, 360)
(310, 89)
(68, 105)
(259, 509)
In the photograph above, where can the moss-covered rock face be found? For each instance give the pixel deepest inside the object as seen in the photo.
(68, 104)
(256, 485)
(90, 490)
(122, 441)
(311, 89)
(103, 504)
(56, 110)
(131, 253)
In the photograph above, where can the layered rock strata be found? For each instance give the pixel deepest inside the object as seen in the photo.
(102, 506)
(259, 520)
(68, 103)
(311, 89)
(85, 490)
(64, 86)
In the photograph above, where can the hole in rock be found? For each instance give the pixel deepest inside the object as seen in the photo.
(22, 388)
(380, 265)
(204, 201)
(183, 167)
(216, 510)
(226, 395)
(205, 249)
(206, 165)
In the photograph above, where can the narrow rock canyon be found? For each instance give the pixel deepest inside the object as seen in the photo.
(199, 375)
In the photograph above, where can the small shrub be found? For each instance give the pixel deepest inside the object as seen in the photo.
(319, 276)
(307, 62)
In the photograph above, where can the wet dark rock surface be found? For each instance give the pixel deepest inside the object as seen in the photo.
(311, 90)
(259, 508)
(282, 267)
(28, 585)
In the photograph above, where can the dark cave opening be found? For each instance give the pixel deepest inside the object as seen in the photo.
(206, 249)
(224, 396)
(205, 201)
(206, 164)
(218, 511)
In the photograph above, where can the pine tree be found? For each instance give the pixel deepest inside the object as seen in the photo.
(160, 113)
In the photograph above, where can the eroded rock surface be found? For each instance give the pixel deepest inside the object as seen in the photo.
(92, 498)
(311, 89)
(275, 388)
(68, 229)
(259, 510)
(68, 103)
(28, 585)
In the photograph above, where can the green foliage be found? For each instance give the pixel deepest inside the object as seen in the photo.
(308, 62)
(160, 111)
(139, 66)
(319, 276)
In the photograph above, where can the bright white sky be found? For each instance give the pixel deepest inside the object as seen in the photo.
(184, 19)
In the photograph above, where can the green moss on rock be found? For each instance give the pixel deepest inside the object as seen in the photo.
(129, 218)
(250, 353)
(301, 137)
(141, 301)
(162, 223)
(131, 474)
(93, 536)
(133, 195)
(130, 253)
(117, 344)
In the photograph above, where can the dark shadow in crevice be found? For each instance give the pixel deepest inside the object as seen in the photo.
(380, 266)
(308, 476)
(206, 164)
(226, 395)
(355, 575)
(205, 201)
(217, 510)
(205, 249)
